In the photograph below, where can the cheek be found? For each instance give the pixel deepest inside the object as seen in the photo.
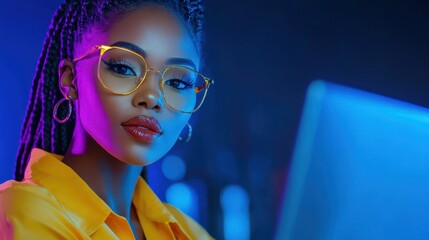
(95, 110)
(101, 114)
(88, 94)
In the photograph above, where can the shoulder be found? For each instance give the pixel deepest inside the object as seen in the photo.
(195, 230)
(16, 197)
(29, 210)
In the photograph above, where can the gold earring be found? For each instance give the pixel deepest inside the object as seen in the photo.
(189, 133)
(69, 112)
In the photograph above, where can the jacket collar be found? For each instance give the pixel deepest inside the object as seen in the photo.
(84, 207)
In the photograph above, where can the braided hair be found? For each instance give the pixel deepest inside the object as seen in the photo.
(71, 20)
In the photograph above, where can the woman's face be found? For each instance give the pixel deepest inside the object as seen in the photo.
(109, 118)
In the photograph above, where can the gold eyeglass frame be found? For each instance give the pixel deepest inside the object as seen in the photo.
(104, 48)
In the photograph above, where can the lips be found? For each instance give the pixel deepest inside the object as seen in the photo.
(142, 128)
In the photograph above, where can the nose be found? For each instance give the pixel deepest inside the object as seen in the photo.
(149, 94)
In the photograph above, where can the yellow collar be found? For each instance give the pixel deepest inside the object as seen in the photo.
(84, 207)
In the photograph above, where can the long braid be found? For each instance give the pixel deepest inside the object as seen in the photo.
(50, 86)
(71, 20)
(32, 117)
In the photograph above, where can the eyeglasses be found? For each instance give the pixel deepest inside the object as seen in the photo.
(122, 71)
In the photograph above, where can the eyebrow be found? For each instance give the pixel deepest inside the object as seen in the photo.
(131, 47)
(170, 61)
(181, 61)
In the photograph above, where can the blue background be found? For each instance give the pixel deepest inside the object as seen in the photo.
(262, 54)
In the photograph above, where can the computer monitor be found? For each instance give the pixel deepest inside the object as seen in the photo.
(360, 169)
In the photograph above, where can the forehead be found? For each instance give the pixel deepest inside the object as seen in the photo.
(155, 30)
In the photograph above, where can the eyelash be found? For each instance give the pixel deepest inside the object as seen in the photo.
(112, 63)
(180, 79)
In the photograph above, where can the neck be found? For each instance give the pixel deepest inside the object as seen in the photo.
(111, 179)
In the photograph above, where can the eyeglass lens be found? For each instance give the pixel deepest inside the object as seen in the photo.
(121, 71)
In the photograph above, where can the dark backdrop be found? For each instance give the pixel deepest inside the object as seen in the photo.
(262, 54)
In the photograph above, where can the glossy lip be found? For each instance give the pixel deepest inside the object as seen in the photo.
(142, 128)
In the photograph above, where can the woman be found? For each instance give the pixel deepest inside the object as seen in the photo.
(116, 83)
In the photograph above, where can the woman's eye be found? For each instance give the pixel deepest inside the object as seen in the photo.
(121, 69)
(178, 84)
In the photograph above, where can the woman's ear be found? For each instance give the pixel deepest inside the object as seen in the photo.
(66, 74)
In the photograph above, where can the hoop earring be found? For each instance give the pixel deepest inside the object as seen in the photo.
(70, 107)
(189, 133)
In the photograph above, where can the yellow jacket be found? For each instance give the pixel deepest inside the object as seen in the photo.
(53, 202)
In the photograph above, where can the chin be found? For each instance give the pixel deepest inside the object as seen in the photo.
(129, 151)
(142, 155)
